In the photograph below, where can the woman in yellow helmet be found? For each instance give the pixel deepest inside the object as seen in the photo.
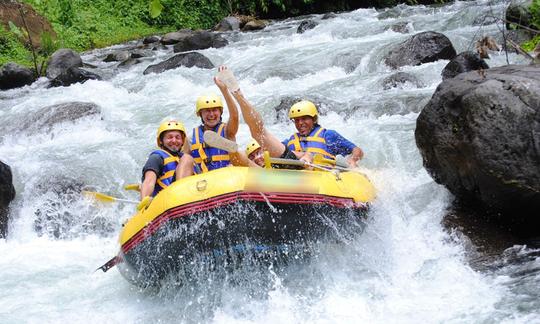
(167, 163)
(210, 109)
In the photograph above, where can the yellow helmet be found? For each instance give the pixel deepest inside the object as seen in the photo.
(252, 147)
(303, 108)
(208, 101)
(167, 126)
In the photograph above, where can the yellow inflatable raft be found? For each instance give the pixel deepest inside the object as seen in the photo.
(240, 210)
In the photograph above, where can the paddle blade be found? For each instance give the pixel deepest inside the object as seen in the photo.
(132, 186)
(98, 196)
(213, 139)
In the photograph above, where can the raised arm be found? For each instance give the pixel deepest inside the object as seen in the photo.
(232, 123)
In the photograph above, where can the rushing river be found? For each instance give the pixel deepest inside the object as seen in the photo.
(405, 268)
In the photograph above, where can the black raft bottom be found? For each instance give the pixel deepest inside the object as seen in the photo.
(234, 234)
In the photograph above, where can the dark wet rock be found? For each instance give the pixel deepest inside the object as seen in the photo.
(159, 47)
(484, 20)
(185, 59)
(151, 39)
(200, 40)
(140, 53)
(518, 14)
(73, 75)
(118, 56)
(329, 15)
(421, 48)
(45, 118)
(62, 60)
(13, 75)
(399, 79)
(175, 37)
(479, 135)
(306, 25)
(463, 62)
(282, 110)
(7, 194)
(254, 25)
(56, 216)
(229, 23)
(348, 61)
(129, 62)
(401, 27)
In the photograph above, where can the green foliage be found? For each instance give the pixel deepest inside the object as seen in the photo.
(155, 8)
(12, 50)
(531, 44)
(535, 12)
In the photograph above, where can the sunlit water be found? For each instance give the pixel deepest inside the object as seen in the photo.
(405, 267)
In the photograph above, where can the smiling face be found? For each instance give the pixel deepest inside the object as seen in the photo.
(173, 140)
(211, 116)
(304, 125)
(257, 157)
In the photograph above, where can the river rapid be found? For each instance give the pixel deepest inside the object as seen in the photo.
(406, 267)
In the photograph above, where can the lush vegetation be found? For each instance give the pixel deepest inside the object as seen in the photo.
(535, 12)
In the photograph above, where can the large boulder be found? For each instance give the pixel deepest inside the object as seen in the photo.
(185, 59)
(421, 48)
(73, 75)
(7, 194)
(198, 41)
(229, 23)
(463, 62)
(306, 25)
(45, 118)
(13, 76)
(61, 61)
(479, 135)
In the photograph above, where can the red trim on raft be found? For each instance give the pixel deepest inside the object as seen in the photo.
(219, 201)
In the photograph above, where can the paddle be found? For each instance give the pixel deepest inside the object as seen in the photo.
(132, 186)
(105, 198)
(109, 264)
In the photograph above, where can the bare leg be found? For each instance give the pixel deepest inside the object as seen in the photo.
(254, 120)
(185, 167)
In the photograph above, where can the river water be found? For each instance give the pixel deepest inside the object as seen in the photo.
(406, 267)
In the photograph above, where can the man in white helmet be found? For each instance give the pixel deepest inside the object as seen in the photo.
(167, 163)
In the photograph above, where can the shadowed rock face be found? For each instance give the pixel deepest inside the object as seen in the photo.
(13, 76)
(186, 59)
(45, 118)
(479, 135)
(61, 61)
(464, 62)
(421, 48)
(7, 194)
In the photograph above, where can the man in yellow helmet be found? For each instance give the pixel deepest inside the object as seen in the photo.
(167, 163)
(313, 138)
(253, 119)
(210, 109)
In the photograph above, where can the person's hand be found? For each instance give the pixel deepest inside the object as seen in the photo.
(227, 79)
(352, 161)
(308, 158)
(220, 84)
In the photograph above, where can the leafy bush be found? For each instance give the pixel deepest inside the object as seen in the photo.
(12, 50)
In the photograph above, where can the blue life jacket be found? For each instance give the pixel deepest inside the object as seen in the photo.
(167, 176)
(313, 143)
(206, 157)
